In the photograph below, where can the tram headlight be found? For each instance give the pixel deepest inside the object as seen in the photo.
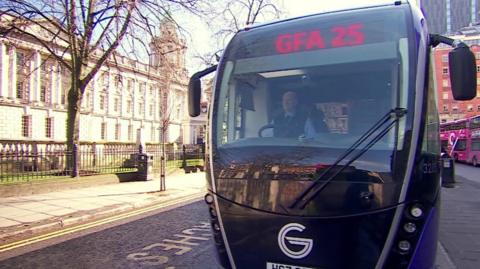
(404, 246)
(208, 198)
(410, 227)
(416, 211)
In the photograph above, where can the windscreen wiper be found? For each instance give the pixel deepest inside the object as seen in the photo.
(387, 122)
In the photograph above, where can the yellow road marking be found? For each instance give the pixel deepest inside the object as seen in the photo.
(81, 227)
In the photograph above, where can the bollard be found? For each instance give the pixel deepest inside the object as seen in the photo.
(184, 159)
(448, 171)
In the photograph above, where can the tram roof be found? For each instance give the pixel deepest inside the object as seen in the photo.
(377, 3)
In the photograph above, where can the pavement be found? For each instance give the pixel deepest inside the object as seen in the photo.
(33, 214)
(459, 224)
(27, 215)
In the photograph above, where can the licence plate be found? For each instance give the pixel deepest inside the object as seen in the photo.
(272, 265)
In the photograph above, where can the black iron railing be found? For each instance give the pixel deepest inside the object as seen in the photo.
(30, 161)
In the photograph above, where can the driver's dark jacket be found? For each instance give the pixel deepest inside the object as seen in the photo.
(289, 126)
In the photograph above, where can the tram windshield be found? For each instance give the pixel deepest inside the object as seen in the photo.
(292, 97)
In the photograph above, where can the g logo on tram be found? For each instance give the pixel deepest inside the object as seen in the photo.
(307, 243)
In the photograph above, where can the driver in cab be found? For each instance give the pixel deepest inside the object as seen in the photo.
(290, 122)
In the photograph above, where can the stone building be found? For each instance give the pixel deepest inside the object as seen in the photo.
(126, 98)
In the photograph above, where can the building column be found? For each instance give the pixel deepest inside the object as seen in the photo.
(156, 108)
(94, 93)
(146, 104)
(109, 94)
(122, 101)
(134, 99)
(53, 84)
(35, 73)
(12, 87)
(3, 70)
(58, 93)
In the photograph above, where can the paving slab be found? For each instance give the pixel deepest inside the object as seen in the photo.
(61, 212)
(37, 207)
(13, 212)
(32, 217)
(7, 222)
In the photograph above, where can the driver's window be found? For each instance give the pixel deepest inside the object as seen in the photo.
(245, 108)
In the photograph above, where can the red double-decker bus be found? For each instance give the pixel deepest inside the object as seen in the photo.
(461, 139)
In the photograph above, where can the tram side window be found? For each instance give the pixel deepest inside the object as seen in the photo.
(245, 108)
(252, 105)
(431, 141)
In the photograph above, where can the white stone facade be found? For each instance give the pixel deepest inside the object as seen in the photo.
(120, 100)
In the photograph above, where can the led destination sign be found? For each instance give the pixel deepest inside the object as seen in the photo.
(355, 30)
(339, 36)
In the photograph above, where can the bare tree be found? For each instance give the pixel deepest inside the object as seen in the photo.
(82, 36)
(169, 50)
(228, 17)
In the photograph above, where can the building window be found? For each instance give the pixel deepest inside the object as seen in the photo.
(151, 110)
(140, 108)
(49, 127)
(445, 96)
(478, 68)
(478, 108)
(117, 131)
(118, 81)
(63, 97)
(116, 104)
(43, 65)
(43, 94)
(445, 83)
(470, 108)
(19, 90)
(445, 58)
(152, 134)
(87, 100)
(103, 131)
(105, 78)
(477, 55)
(455, 109)
(445, 70)
(130, 85)
(27, 126)
(20, 60)
(129, 106)
(130, 132)
(102, 102)
(445, 108)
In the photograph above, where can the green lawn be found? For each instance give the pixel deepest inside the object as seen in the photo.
(12, 178)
